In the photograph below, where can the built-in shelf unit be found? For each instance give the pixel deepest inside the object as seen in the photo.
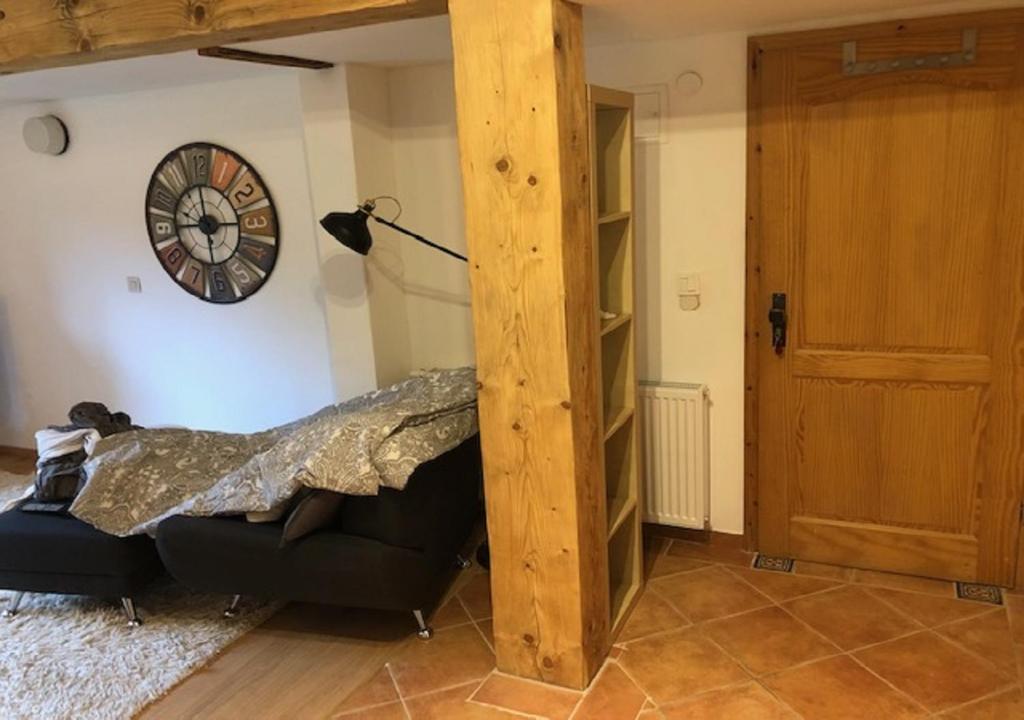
(611, 125)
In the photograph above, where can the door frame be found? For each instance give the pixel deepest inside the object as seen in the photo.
(755, 314)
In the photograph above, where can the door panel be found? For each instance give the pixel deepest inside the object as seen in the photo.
(901, 205)
(863, 438)
(889, 210)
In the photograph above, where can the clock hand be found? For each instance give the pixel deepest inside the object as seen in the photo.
(193, 208)
(209, 237)
(220, 224)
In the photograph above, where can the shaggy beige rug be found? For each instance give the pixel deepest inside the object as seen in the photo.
(75, 658)
(13, 488)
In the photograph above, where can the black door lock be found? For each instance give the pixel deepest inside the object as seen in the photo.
(777, 317)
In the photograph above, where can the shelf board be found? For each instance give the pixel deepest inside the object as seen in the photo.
(616, 322)
(625, 606)
(613, 217)
(614, 419)
(620, 512)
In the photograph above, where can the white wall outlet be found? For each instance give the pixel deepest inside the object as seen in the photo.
(134, 284)
(688, 290)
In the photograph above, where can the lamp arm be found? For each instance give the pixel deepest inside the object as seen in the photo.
(422, 239)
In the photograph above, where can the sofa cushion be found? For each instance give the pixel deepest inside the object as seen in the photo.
(60, 544)
(441, 497)
(314, 509)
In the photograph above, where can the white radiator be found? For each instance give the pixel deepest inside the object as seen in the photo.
(676, 446)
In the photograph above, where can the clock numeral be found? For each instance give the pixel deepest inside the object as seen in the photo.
(245, 277)
(259, 254)
(246, 191)
(225, 167)
(164, 228)
(259, 222)
(174, 176)
(193, 276)
(163, 198)
(200, 167)
(172, 257)
(220, 287)
(197, 164)
(243, 194)
(240, 271)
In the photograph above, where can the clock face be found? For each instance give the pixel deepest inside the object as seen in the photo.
(212, 223)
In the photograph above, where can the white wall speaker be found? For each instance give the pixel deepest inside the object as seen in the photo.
(46, 134)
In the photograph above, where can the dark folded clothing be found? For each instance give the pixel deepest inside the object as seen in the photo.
(60, 478)
(96, 416)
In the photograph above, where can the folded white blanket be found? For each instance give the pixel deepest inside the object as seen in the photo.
(52, 443)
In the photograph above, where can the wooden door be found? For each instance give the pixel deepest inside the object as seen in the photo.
(887, 204)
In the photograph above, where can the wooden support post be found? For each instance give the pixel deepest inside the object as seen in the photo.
(523, 138)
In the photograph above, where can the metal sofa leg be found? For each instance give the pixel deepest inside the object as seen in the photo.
(12, 608)
(130, 612)
(232, 609)
(425, 632)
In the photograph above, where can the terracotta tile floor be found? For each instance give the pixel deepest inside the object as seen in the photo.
(712, 638)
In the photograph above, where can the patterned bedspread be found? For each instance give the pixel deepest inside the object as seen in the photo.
(138, 478)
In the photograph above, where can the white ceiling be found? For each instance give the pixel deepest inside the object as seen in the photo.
(425, 41)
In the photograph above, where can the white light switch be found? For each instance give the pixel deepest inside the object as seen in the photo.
(688, 289)
(688, 284)
(134, 284)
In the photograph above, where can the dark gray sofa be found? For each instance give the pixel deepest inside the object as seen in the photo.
(394, 551)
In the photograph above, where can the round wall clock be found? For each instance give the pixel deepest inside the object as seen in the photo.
(212, 222)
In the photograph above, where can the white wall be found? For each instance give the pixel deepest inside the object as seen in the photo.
(691, 191)
(691, 187)
(374, 163)
(428, 181)
(405, 145)
(73, 229)
(330, 156)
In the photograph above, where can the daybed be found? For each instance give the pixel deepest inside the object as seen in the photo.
(392, 551)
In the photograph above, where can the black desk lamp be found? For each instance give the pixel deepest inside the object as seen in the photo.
(351, 231)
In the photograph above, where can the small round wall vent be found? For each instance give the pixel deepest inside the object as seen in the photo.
(689, 83)
(46, 134)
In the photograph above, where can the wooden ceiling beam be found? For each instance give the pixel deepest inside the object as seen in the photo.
(35, 35)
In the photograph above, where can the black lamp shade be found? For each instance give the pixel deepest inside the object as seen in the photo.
(349, 229)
